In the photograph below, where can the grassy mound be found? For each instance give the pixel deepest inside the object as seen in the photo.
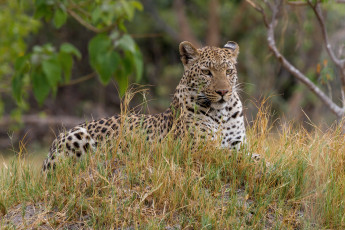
(173, 185)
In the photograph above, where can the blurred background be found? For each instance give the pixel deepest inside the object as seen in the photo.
(32, 110)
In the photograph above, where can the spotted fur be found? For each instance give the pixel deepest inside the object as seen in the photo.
(206, 101)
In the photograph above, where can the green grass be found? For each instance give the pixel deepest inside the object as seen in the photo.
(155, 185)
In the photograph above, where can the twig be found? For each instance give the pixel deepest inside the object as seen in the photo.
(88, 25)
(79, 80)
(291, 68)
(295, 3)
(340, 63)
(317, 10)
(342, 98)
(146, 35)
(260, 10)
(80, 9)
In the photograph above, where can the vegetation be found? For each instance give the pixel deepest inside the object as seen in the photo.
(325, 76)
(66, 61)
(172, 184)
(112, 52)
(52, 69)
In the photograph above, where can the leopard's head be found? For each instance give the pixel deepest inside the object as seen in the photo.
(210, 75)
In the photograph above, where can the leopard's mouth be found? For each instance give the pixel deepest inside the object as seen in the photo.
(221, 101)
(203, 101)
(211, 100)
(219, 104)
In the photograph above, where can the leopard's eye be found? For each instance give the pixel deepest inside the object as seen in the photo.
(229, 71)
(206, 72)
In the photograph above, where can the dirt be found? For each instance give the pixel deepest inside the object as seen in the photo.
(36, 216)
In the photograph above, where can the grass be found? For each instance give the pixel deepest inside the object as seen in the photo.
(171, 184)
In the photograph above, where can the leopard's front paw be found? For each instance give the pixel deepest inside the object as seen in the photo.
(256, 157)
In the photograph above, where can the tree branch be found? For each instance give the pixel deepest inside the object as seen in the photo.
(260, 10)
(296, 3)
(318, 13)
(340, 63)
(79, 80)
(88, 25)
(338, 111)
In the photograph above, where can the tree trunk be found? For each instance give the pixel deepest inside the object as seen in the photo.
(213, 28)
(185, 32)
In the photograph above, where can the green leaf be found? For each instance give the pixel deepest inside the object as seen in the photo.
(137, 5)
(102, 58)
(70, 49)
(41, 11)
(39, 2)
(127, 64)
(131, 62)
(128, 9)
(121, 25)
(66, 62)
(98, 45)
(126, 42)
(60, 17)
(138, 62)
(96, 15)
(52, 70)
(22, 64)
(17, 86)
(106, 65)
(40, 86)
(122, 81)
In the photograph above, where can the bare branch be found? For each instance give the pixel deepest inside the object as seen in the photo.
(79, 80)
(295, 3)
(340, 63)
(148, 35)
(270, 5)
(291, 68)
(342, 98)
(341, 49)
(88, 25)
(260, 10)
(318, 13)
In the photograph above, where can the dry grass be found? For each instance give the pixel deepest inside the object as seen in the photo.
(171, 184)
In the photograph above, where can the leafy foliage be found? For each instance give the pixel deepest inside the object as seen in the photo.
(15, 27)
(113, 53)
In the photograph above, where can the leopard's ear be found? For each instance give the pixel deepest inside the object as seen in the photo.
(188, 53)
(233, 47)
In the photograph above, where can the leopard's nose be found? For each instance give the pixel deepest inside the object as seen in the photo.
(222, 92)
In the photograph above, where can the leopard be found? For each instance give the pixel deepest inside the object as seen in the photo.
(206, 100)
